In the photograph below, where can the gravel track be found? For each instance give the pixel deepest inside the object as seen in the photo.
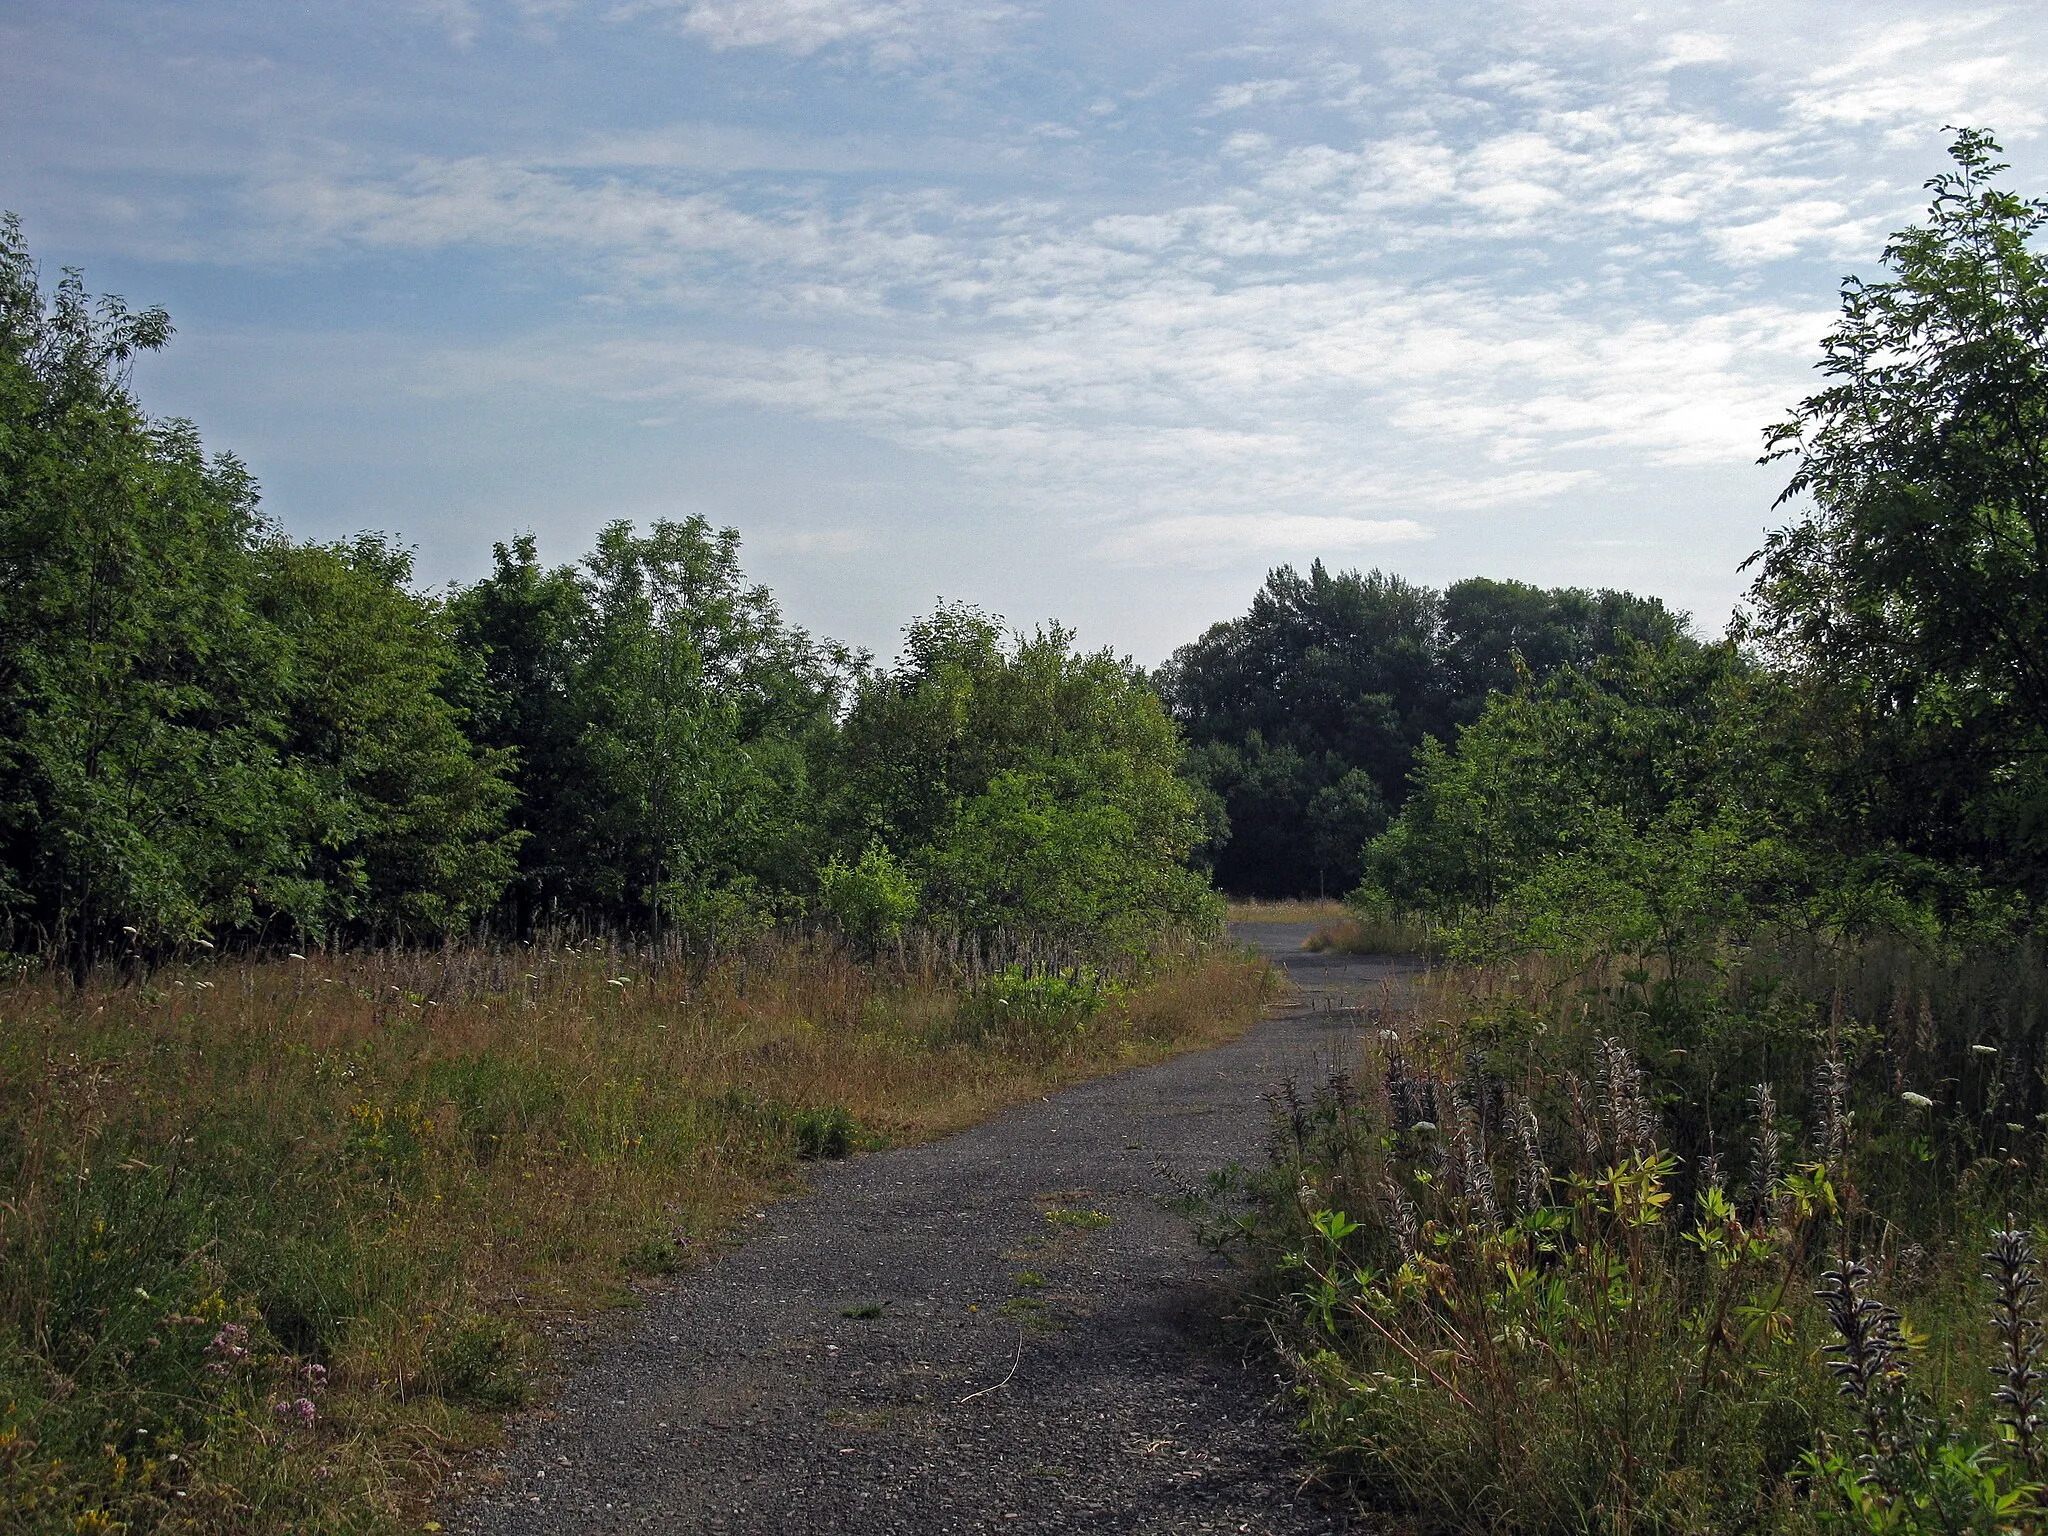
(953, 1338)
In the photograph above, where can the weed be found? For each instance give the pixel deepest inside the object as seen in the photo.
(825, 1133)
(1628, 1251)
(390, 1167)
(866, 1311)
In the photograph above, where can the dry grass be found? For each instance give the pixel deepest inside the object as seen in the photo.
(1355, 935)
(397, 1167)
(1300, 911)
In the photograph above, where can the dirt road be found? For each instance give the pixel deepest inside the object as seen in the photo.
(1003, 1331)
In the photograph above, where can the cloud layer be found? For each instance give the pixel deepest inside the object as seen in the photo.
(1171, 282)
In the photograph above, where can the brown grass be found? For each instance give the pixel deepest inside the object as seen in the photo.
(401, 1166)
(1355, 935)
(1252, 910)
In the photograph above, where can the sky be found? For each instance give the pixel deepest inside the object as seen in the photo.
(1093, 310)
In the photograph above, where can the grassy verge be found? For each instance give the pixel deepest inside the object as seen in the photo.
(275, 1239)
(1353, 934)
(1300, 911)
(1739, 1248)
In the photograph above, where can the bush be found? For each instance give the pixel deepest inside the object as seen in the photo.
(873, 899)
(1526, 1283)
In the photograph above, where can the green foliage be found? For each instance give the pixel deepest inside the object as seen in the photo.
(1911, 585)
(830, 1132)
(203, 727)
(873, 899)
(661, 710)
(404, 829)
(1651, 807)
(1307, 715)
(1028, 789)
(1034, 1005)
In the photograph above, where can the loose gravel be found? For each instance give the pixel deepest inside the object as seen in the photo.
(1004, 1331)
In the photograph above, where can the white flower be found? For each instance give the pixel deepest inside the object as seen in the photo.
(1918, 1100)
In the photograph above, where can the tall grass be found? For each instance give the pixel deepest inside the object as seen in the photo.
(1305, 909)
(1625, 1249)
(275, 1238)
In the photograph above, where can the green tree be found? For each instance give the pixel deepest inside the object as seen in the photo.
(404, 820)
(664, 718)
(1028, 786)
(1306, 715)
(1915, 582)
(138, 759)
(1651, 804)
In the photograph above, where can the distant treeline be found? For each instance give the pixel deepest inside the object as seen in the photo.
(210, 732)
(1305, 717)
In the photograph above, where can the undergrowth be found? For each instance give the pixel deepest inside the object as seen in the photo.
(278, 1240)
(1742, 1249)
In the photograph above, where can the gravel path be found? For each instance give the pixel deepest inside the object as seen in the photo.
(1002, 1331)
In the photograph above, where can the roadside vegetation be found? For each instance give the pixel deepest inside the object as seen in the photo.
(282, 1238)
(1702, 1189)
(387, 973)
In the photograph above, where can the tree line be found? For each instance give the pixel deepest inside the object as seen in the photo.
(1306, 717)
(1866, 750)
(211, 732)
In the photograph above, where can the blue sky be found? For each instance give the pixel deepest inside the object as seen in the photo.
(1081, 310)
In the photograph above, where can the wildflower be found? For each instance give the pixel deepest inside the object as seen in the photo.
(1402, 1218)
(1831, 1106)
(1626, 1101)
(1769, 1151)
(1917, 1100)
(298, 1414)
(229, 1348)
(1983, 1050)
(315, 1377)
(1474, 1169)
(1532, 1176)
(2019, 1337)
(1870, 1363)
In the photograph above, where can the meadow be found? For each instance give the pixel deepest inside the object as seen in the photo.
(281, 1239)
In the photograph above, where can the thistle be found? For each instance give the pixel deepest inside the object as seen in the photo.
(1631, 1124)
(1869, 1364)
(1401, 1217)
(1404, 1104)
(1831, 1112)
(1532, 1176)
(1711, 1176)
(2017, 1291)
(1769, 1152)
(1582, 1123)
(1473, 1168)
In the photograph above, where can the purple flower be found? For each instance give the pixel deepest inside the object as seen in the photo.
(230, 1347)
(295, 1415)
(316, 1377)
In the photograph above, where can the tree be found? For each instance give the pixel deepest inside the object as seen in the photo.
(403, 829)
(1027, 786)
(1651, 803)
(663, 715)
(138, 757)
(1306, 715)
(1916, 579)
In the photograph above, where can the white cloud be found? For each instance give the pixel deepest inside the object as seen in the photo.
(893, 32)
(1477, 266)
